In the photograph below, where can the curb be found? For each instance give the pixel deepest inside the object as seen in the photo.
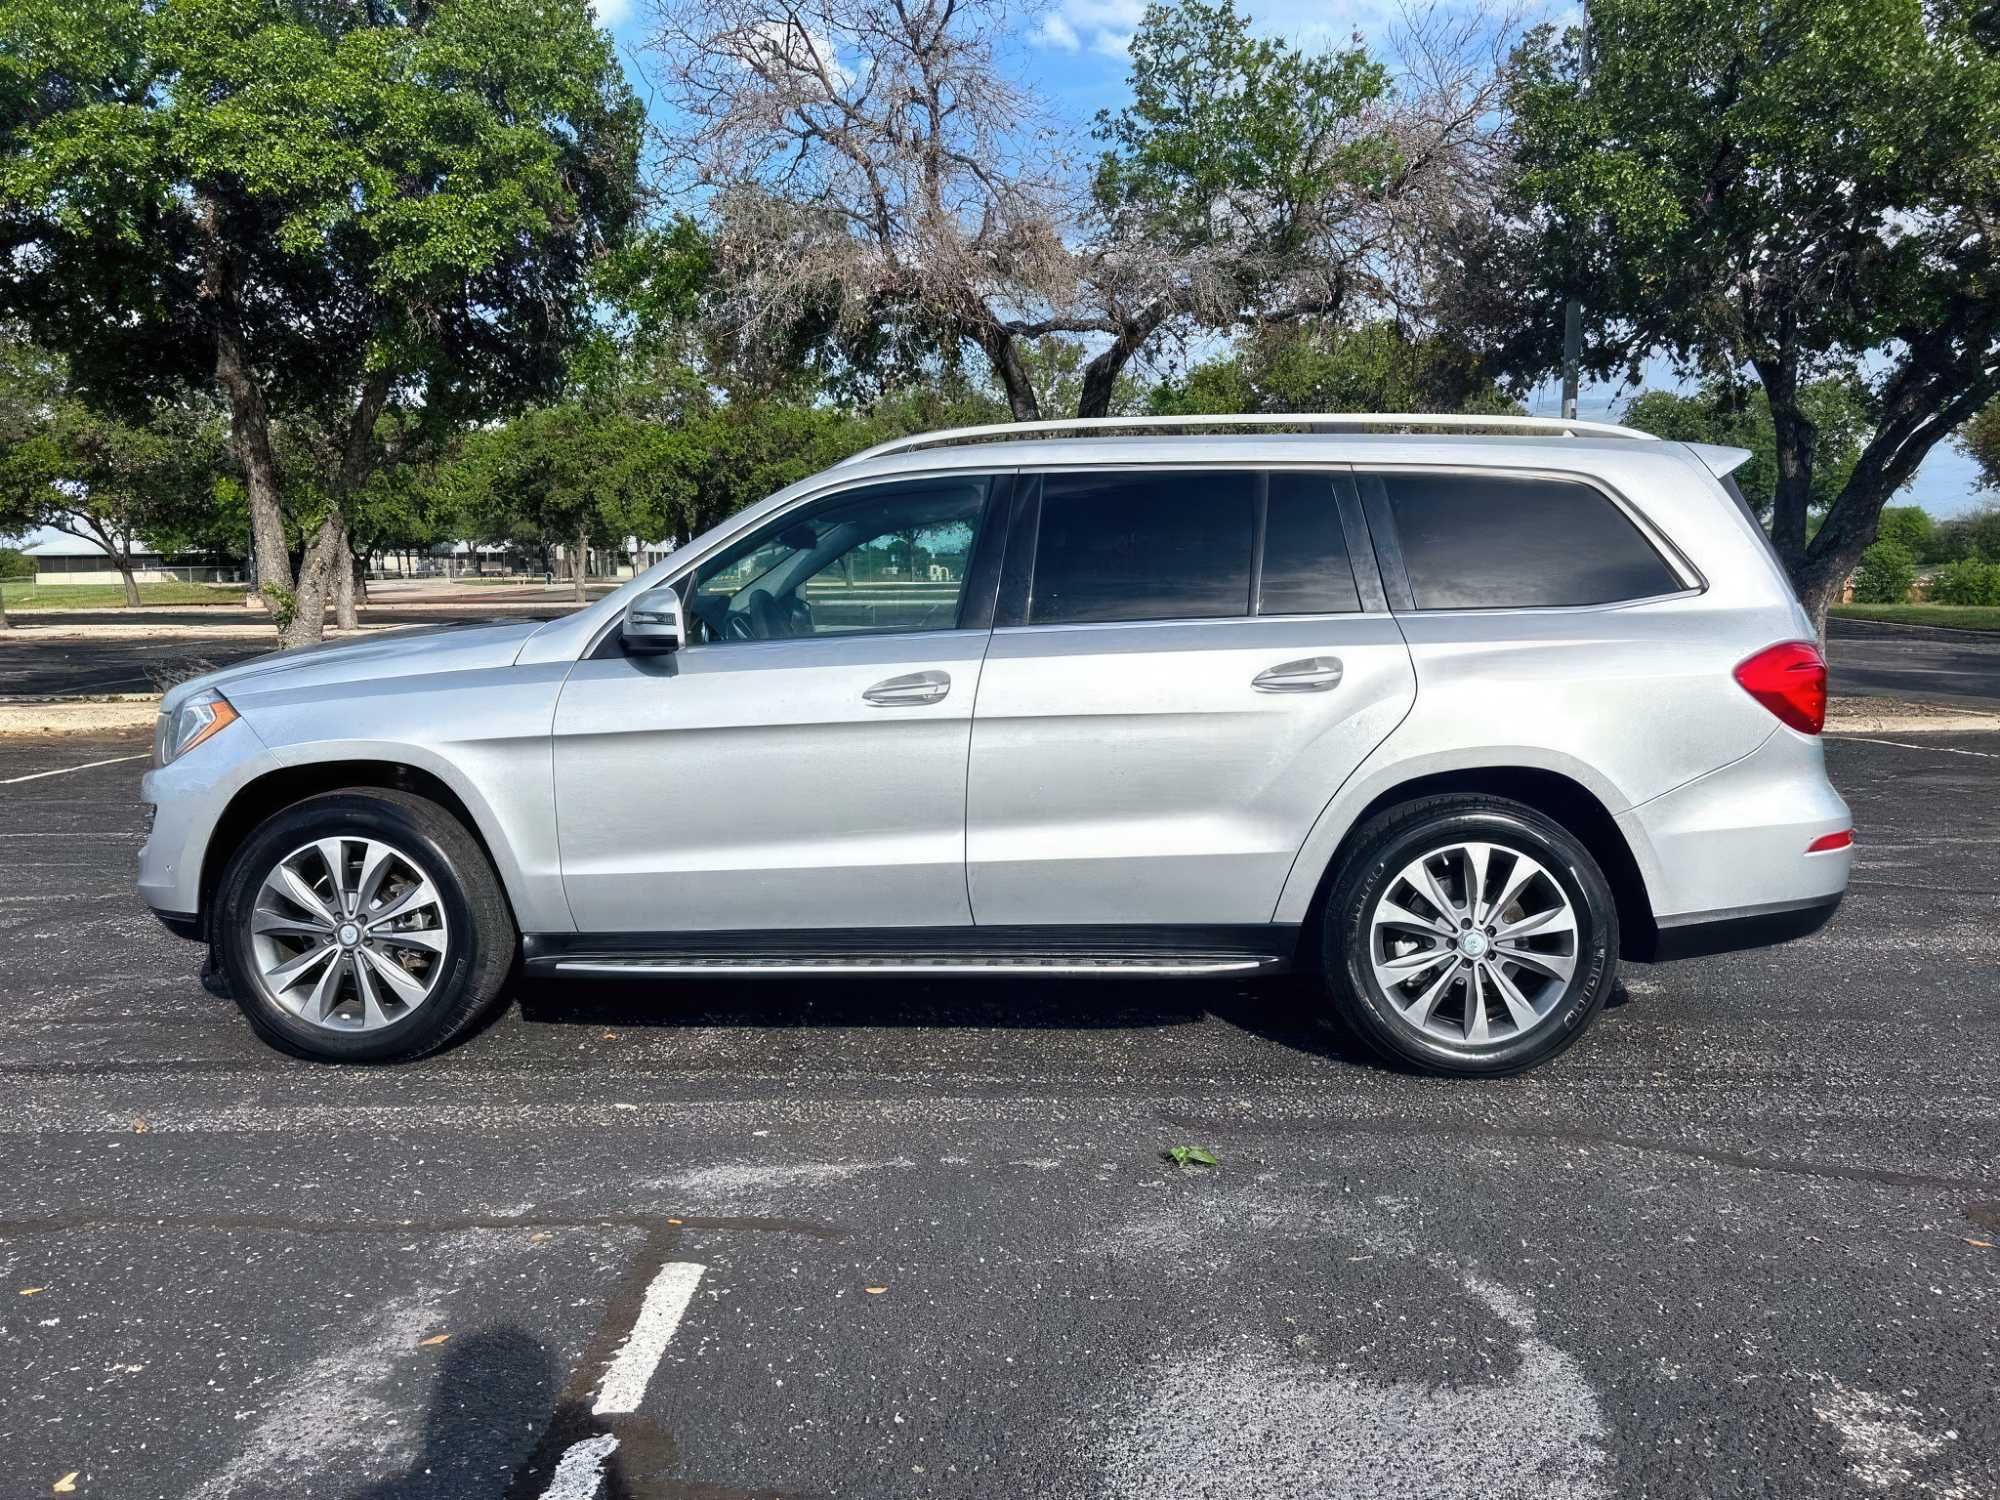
(1914, 724)
(1840, 627)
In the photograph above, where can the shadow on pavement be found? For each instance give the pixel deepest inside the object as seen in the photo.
(490, 1401)
(1288, 1010)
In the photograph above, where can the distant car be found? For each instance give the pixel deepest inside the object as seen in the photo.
(1452, 716)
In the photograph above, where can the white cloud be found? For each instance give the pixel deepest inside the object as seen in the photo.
(611, 13)
(1107, 23)
(1058, 33)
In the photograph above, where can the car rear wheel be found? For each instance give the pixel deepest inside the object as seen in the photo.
(363, 925)
(1470, 934)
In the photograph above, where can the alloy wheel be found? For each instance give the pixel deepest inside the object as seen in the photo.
(349, 934)
(1473, 943)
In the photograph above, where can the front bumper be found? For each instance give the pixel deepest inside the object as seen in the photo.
(182, 924)
(188, 800)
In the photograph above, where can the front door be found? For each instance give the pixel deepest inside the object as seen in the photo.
(800, 763)
(1193, 669)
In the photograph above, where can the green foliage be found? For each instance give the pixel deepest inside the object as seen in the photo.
(419, 187)
(1728, 413)
(1237, 139)
(1908, 525)
(1800, 190)
(1967, 581)
(1887, 570)
(1375, 367)
(558, 473)
(15, 564)
(1191, 1156)
(1979, 439)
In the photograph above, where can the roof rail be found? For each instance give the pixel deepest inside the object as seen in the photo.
(1334, 420)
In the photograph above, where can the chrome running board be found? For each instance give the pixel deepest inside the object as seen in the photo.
(1150, 965)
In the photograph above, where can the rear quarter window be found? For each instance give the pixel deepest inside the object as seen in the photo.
(1479, 541)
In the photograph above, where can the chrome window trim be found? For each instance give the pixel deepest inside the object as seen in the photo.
(838, 482)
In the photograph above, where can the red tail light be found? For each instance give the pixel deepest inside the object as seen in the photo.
(1827, 842)
(1790, 680)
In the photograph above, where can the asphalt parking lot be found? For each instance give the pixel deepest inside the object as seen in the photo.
(913, 1239)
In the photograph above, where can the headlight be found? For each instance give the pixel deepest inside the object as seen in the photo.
(202, 716)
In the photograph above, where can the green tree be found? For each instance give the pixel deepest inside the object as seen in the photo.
(573, 476)
(1800, 190)
(30, 386)
(128, 485)
(1908, 526)
(1735, 415)
(1979, 439)
(1970, 580)
(1319, 367)
(325, 209)
(1887, 570)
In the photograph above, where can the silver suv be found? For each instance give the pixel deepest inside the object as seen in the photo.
(1450, 716)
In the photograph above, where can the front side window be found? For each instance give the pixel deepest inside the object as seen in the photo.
(889, 557)
(1167, 545)
(1492, 541)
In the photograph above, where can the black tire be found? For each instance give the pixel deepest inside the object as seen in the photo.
(482, 945)
(1388, 844)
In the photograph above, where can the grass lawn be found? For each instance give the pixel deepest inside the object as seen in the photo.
(1957, 616)
(26, 597)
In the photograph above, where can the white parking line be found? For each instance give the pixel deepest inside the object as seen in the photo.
(581, 1469)
(666, 1299)
(117, 760)
(1940, 749)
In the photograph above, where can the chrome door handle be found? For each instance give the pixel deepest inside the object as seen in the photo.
(904, 692)
(1311, 674)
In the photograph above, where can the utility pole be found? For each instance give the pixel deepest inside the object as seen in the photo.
(1572, 356)
(1573, 309)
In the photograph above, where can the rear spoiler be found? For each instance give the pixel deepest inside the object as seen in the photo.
(1719, 461)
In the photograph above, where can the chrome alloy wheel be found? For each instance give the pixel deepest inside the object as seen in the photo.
(1473, 943)
(349, 934)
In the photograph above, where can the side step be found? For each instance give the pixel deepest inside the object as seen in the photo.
(1166, 952)
(1105, 965)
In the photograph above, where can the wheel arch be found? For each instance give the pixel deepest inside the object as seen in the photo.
(279, 789)
(1561, 797)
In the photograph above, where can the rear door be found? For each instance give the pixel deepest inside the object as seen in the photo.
(1187, 663)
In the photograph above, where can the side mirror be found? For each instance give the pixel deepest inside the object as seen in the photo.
(653, 623)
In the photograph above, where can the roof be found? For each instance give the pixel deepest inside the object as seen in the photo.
(1591, 454)
(62, 544)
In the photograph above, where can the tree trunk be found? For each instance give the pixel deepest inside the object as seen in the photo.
(1100, 376)
(1003, 352)
(361, 565)
(340, 565)
(582, 565)
(131, 582)
(249, 427)
(5, 623)
(308, 623)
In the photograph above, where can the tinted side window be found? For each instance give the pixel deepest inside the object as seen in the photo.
(1160, 546)
(1306, 567)
(1489, 541)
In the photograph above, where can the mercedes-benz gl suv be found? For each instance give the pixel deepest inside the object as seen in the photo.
(1450, 715)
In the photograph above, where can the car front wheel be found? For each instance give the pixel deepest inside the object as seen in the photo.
(1470, 934)
(363, 925)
